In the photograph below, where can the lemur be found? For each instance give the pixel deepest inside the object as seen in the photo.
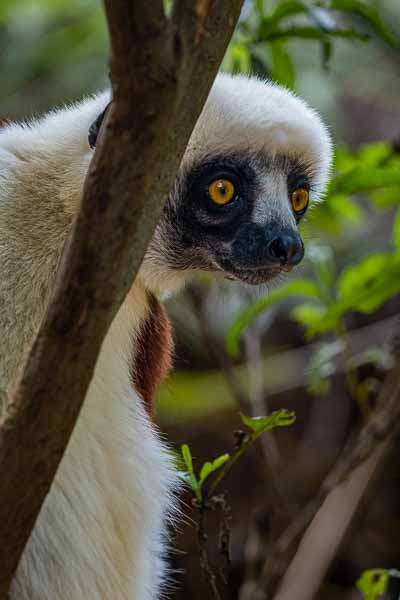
(257, 158)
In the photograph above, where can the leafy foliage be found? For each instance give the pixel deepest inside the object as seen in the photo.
(261, 43)
(299, 287)
(222, 464)
(373, 583)
(258, 425)
(324, 299)
(364, 286)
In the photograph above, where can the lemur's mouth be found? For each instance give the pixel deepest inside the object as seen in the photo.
(253, 275)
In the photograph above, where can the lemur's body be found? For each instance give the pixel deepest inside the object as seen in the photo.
(100, 534)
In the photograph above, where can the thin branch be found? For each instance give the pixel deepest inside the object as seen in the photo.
(155, 108)
(323, 537)
(258, 395)
(250, 400)
(217, 350)
(344, 487)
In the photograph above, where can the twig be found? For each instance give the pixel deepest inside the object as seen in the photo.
(204, 562)
(251, 402)
(347, 483)
(323, 537)
(217, 350)
(259, 404)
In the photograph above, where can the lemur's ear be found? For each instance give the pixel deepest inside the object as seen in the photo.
(94, 129)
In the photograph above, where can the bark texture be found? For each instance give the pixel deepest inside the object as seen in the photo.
(161, 71)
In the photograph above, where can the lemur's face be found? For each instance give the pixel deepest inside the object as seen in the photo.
(257, 158)
(237, 214)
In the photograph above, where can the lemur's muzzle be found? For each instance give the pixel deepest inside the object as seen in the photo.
(257, 247)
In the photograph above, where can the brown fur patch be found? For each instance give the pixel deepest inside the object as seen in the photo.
(153, 359)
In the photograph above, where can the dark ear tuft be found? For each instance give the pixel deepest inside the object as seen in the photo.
(95, 127)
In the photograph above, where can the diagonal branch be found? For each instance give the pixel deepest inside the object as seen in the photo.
(326, 532)
(330, 513)
(161, 75)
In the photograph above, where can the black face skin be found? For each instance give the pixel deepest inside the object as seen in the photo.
(212, 237)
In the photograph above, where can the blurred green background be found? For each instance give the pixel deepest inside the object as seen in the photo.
(343, 56)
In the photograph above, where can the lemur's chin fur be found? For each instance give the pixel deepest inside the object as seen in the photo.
(256, 159)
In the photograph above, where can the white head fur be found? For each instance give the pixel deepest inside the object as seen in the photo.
(247, 113)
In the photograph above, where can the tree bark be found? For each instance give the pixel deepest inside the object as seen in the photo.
(161, 71)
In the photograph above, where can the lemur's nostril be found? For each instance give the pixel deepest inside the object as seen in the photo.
(286, 249)
(278, 251)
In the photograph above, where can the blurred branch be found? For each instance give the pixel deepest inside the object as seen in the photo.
(323, 537)
(336, 501)
(250, 401)
(164, 70)
(196, 293)
(252, 341)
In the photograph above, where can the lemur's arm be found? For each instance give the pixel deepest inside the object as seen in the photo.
(42, 169)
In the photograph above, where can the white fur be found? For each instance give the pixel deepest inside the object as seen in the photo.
(100, 534)
(247, 113)
(101, 531)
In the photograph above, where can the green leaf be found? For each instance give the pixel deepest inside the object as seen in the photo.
(363, 287)
(279, 418)
(187, 457)
(190, 477)
(374, 154)
(373, 583)
(259, 6)
(298, 287)
(211, 467)
(282, 11)
(380, 292)
(366, 286)
(347, 208)
(396, 231)
(362, 179)
(312, 33)
(370, 15)
(311, 316)
(240, 58)
(362, 276)
(324, 218)
(281, 68)
(344, 160)
(385, 198)
(322, 262)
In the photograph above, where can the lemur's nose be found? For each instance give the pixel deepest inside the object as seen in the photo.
(286, 249)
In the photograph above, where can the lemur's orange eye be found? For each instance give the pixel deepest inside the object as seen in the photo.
(299, 199)
(221, 191)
